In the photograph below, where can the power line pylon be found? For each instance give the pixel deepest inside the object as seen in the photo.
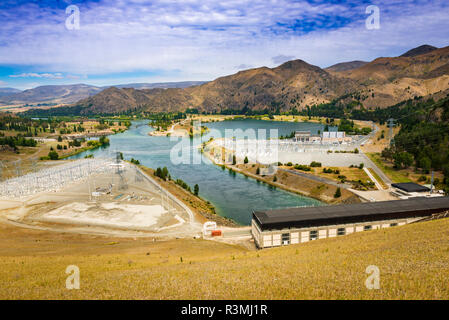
(391, 124)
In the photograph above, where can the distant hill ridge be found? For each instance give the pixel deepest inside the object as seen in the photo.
(345, 66)
(419, 50)
(295, 84)
(72, 93)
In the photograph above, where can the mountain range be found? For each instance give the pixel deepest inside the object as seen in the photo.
(383, 82)
(68, 94)
(8, 91)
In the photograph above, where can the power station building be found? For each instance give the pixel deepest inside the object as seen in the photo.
(297, 225)
(331, 137)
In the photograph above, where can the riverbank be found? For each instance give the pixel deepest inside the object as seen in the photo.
(182, 128)
(203, 209)
(291, 182)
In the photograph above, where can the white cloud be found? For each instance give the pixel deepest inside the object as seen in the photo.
(38, 75)
(201, 40)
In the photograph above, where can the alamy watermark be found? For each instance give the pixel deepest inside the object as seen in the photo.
(73, 280)
(235, 146)
(372, 22)
(72, 22)
(373, 280)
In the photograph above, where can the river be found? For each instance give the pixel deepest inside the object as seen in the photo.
(233, 196)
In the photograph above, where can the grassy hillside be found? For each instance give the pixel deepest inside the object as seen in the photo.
(412, 259)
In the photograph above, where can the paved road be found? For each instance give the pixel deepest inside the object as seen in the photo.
(371, 164)
(380, 173)
(237, 233)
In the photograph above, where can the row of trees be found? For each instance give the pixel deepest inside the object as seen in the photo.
(423, 140)
(165, 175)
(16, 141)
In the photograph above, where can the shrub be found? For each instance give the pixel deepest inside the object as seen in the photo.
(53, 155)
(315, 164)
(196, 189)
(302, 167)
(337, 193)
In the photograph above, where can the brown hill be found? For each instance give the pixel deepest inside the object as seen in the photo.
(113, 100)
(419, 50)
(294, 84)
(390, 69)
(345, 66)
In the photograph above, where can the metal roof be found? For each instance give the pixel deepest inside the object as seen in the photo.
(410, 187)
(350, 213)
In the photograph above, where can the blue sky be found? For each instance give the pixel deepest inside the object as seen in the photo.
(162, 40)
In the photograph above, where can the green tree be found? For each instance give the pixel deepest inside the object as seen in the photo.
(196, 190)
(337, 193)
(164, 173)
(245, 161)
(425, 163)
(53, 155)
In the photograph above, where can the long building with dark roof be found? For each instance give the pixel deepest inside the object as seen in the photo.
(297, 225)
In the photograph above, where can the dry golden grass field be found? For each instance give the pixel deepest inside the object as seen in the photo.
(413, 262)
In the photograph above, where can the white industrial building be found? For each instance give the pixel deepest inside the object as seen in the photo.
(327, 137)
(298, 225)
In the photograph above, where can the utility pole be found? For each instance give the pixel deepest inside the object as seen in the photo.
(431, 183)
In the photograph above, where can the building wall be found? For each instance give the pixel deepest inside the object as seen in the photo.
(275, 238)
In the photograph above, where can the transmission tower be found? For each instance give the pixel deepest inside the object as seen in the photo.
(18, 167)
(138, 176)
(34, 164)
(391, 124)
(1, 170)
(122, 182)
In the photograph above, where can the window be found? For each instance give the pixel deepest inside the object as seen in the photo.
(286, 238)
(365, 228)
(341, 231)
(393, 224)
(313, 235)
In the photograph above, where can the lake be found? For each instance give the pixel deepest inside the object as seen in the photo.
(233, 196)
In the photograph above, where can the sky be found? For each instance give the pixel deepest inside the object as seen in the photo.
(46, 42)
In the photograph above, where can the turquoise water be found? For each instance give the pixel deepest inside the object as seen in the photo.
(234, 196)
